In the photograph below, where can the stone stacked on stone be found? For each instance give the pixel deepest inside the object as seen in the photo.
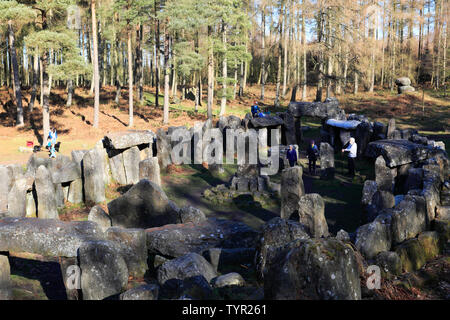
(404, 85)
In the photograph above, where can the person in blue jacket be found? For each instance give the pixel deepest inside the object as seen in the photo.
(291, 155)
(255, 109)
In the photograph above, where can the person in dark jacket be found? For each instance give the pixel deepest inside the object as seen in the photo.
(255, 109)
(291, 155)
(312, 153)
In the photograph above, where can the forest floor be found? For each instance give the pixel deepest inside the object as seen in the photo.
(342, 208)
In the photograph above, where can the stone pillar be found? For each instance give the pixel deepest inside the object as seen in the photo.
(311, 212)
(93, 171)
(326, 161)
(46, 195)
(149, 169)
(5, 278)
(384, 176)
(291, 190)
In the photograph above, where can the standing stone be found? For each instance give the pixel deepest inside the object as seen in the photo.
(5, 179)
(291, 190)
(17, 198)
(149, 169)
(363, 134)
(326, 161)
(46, 198)
(145, 205)
(75, 194)
(131, 159)
(118, 168)
(314, 269)
(31, 210)
(77, 158)
(374, 237)
(191, 214)
(59, 195)
(103, 270)
(163, 148)
(384, 176)
(390, 129)
(99, 216)
(132, 244)
(5, 278)
(408, 218)
(93, 170)
(311, 212)
(99, 146)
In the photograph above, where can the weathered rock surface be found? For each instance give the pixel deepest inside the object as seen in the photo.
(291, 190)
(149, 169)
(5, 278)
(94, 180)
(187, 266)
(314, 269)
(389, 262)
(128, 139)
(144, 292)
(403, 81)
(275, 234)
(384, 176)
(374, 237)
(328, 109)
(191, 214)
(104, 272)
(229, 279)
(145, 205)
(311, 212)
(179, 239)
(398, 152)
(131, 159)
(408, 218)
(132, 246)
(99, 216)
(267, 121)
(326, 161)
(47, 237)
(45, 190)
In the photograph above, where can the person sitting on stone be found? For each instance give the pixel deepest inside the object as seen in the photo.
(255, 109)
(312, 153)
(352, 152)
(291, 155)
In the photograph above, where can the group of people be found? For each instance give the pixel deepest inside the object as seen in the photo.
(312, 152)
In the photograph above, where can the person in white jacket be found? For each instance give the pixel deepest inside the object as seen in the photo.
(352, 150)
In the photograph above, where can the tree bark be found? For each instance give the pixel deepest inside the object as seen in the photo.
(15, 67)
(210, 74)
(166, 76)
(96, 76)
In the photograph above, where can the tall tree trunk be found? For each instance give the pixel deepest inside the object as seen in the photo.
(130, 79)
(156, 60)
(280, 52)
(305, 72)
(45, 88)
(285, 57)
(263, 54)
(223, 102)
(35, 81)
(96, 75)
(210, 74)
(69, 92)
(166, 75)
(320, 77)
(139, 69)
(18, 91)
